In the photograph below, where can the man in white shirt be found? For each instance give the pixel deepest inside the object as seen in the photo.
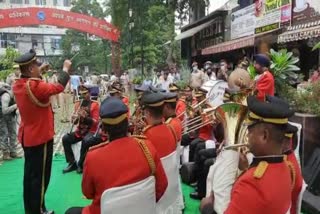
(113, 78)
(208, 68)
(165, 81)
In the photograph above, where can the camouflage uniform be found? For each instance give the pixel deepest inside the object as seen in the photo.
(8, 133)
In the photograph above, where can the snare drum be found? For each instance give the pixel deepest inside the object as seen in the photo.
(216, 89)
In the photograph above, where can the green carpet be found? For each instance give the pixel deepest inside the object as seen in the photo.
(64, 190)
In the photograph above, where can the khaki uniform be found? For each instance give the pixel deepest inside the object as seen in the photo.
(197, 79)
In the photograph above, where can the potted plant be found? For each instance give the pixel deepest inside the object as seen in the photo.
(284, 69)
(305, 102)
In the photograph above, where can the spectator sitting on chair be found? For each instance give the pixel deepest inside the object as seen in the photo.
(86, 115)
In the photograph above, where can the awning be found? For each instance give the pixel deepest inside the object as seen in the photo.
(299, 34)
(192, 31)
(229, 46)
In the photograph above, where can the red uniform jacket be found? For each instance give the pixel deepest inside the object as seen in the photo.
(298, 182)
(180, 108)
(127, 169)
(269, 194)
(205, 132)
(162, 139)
(176, 125)
(265, 85)
(94, 115)
(37, 123)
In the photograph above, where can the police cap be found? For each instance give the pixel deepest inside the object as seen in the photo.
(113, 111)
(26, 58)
(150, 99)
(272, 111)
(170, 97)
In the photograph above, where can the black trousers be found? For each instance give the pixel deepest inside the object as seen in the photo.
(37, 172)
(204, 159)
(67, 140)
(88, 141)
(74, 210)
(195, 145)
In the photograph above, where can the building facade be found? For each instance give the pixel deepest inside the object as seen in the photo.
(44, 39)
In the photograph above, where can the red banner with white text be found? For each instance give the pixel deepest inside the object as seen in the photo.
(28, 16)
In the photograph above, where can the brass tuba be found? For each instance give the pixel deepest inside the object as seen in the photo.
(231, 116)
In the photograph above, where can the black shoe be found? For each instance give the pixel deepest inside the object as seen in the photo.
(79, 170)
(194, 184)
(195, 195)
(48, 212)
(71, 167)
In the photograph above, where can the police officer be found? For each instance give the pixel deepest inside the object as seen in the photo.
(36, 132)
(142, 162)
(8, 109)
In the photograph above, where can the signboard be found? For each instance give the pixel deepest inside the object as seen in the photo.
(271, 12)
(243, 22)
(47, 16)
(305, 11)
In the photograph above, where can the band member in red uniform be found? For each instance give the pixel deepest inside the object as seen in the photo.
(140, 164)
(169, 114)
(266, 185)
(36, 133)
(86, 115)
(205, 132)
(116, 90)
(184, 100)
(156, 131)
(291, 157)
(265, 79)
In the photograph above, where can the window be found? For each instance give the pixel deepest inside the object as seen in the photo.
(34, 43)
(2, 1)
(66, 3)
(26, 1)
(55, 2)
(55, 43)
(7, 40)
(41, 2)
(16, 1)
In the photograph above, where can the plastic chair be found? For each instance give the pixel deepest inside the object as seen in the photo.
(136, 198)
(76, 150)
(170, 202)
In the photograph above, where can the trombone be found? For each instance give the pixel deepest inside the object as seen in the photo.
(195, 123)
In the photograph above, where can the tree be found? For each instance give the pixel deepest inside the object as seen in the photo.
(7, 62)
(151, 41)
(93, 52)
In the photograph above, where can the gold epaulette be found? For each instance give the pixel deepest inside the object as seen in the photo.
(142, 137)
(98, 146)
(146, 128)
(168, 120)
(260, 170)
(292, 171)
(32, 97)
